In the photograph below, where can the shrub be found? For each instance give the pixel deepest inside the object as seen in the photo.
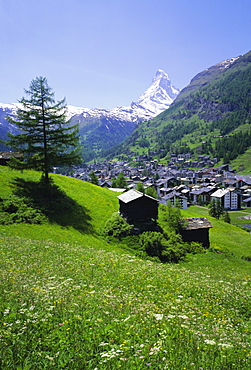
(195, 247)
(171, 218)
(167, 247)
(153, 243)
(16, 210)
(117, 226)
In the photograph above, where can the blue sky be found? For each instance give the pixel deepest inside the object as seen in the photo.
(104, 53)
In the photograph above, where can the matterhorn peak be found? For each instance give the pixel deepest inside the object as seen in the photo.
(160, 73)
(160, 95)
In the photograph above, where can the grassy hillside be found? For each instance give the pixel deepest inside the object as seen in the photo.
(70, 300)
(79, 222)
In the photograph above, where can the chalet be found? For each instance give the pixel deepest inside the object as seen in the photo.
(137, 207)
(196, 230)
(203, 193)
(247, 202)
(232, 183)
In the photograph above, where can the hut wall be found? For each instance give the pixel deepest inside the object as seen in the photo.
(140, 210)
(199, 235)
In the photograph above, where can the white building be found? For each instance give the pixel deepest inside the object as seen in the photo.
(230, 198)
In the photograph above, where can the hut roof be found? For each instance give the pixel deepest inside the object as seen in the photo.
(133, 194)
(196, 223)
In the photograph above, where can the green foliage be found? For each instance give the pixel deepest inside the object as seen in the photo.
(46, 137)
(64, 305)
(116, 226)
(120, 181)
(225, 216)
(140, 187)
(71, 300)
(153, 243)
(215, 208)
(151, 192)
(16, 210)
(93, 178)
(168, 247)
(170, 218)
(195, 248)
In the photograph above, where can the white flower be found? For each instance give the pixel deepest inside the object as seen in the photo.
(158, 316)
(210, 341)
(225, 345)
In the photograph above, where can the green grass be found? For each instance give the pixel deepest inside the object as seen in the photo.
(223, 236)
(242, 163)
(70, 300)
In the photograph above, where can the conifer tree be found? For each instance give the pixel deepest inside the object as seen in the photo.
(121, 181)
(46, 138)
(140, 187)
(93, 178)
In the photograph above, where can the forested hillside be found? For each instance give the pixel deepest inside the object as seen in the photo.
(212, 116)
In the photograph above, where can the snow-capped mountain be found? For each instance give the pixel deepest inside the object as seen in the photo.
(157, 98)
(101, 129)
(160, 95)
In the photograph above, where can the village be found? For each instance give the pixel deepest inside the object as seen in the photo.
(181, 181)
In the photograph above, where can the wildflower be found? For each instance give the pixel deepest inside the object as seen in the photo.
(158, 316)
(210, 341)
(225, 345)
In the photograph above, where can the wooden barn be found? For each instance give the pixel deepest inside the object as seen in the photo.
(5, 157)
(196, 230)
(137, 207)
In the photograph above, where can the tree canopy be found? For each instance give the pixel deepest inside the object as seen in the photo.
(46, 138)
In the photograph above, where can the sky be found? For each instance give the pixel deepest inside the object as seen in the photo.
(105, 53)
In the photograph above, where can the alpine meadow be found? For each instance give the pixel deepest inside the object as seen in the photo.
(73, 299)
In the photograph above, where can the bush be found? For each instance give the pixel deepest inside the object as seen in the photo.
(195, 247)
(153, 243)
(167, 247)
(170, 218)
(16, 210)
(117, 227)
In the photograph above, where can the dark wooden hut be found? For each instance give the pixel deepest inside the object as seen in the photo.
(5, 157)
(196, 230)
(137, 207)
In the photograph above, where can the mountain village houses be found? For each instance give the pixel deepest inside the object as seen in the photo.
(176, 183)
(183, 185)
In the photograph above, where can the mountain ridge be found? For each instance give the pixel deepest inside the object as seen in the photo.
(101, 128)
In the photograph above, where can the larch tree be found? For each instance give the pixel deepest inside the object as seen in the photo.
(46, 138)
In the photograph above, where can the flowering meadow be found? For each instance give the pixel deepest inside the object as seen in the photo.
(69, 306)
(70, 299)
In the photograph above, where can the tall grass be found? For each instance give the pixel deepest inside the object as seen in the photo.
(75, 307)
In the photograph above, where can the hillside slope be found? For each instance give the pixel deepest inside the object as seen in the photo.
(77, 216)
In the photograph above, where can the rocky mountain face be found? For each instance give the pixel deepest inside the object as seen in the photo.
(101, 129)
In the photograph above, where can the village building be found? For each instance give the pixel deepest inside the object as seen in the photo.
(196, 230)
(175, 198)
(201, 194)
(230, 198)
(137, 207)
